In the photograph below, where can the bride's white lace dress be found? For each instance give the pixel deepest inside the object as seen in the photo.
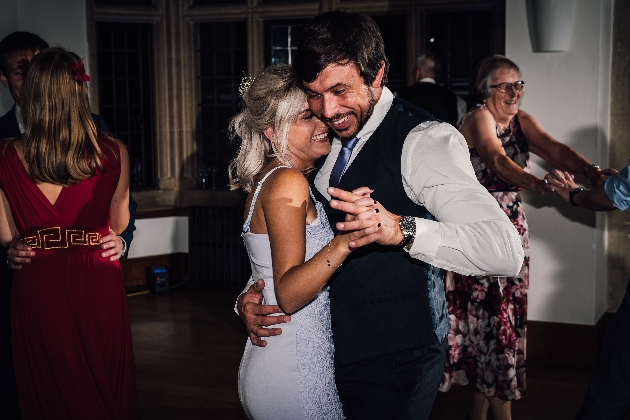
(292, 377)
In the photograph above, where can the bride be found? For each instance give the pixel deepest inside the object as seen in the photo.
(291, 246)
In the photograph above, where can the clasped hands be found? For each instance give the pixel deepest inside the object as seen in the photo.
(562, 181)
(367, 221)
(20, 253)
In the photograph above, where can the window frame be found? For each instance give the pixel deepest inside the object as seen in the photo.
(147, 78)
(176, 90)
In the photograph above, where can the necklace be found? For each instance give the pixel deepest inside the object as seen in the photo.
(304, 171)
(504, 131)
(308, 170)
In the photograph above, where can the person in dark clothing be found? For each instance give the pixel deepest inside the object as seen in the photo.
(426, 94)
(608, 394)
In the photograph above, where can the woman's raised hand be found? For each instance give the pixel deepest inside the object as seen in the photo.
(562, 182)
(561, 179)
(543, 186)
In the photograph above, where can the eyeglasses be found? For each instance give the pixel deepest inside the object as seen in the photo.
(506, 87)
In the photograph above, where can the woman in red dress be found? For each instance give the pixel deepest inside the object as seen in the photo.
(63, 185)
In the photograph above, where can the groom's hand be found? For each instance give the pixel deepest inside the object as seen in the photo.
(256, 316)
(389, 232)
(18, 253)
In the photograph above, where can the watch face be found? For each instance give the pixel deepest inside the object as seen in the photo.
(408, 228)
(407, 224)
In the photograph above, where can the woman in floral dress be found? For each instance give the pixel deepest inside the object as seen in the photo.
(489, 314)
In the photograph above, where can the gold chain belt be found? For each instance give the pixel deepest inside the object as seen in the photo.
(52, 238)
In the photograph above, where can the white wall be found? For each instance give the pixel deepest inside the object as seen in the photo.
(569, 93)
(58, 22)
(161, 236)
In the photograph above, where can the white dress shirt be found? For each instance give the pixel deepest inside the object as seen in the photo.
(472, 235)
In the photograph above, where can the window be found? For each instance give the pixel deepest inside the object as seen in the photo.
(394, 31)
(126, 2)
(125, 93)
(221, 2)
(191, 56)
(461, 40)
(281, 40)
(283, 2)
(222, 54)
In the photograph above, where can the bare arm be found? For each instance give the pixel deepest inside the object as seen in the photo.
(285, 202)
(595, 199)
(557, 154)
(479, 130)
(258, 318)
(119, 208)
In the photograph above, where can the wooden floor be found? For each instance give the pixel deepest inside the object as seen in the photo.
(188, 345)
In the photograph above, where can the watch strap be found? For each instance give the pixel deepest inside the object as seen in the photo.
(593, 166)
(408, 227)
(572, 195)
(124, 247)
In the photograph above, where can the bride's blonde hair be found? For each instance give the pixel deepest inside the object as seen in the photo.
(272, 100)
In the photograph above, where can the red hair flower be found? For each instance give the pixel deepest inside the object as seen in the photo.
(23, 64)
(79, 72)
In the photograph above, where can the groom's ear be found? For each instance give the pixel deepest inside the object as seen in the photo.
(270, 133)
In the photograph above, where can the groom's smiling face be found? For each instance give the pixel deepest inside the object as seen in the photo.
(340, 98)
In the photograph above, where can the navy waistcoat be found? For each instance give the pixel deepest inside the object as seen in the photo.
(379, 297)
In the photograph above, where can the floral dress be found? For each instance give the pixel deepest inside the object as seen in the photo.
(486, 341)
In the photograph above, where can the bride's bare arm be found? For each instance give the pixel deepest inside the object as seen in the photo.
(285, 202)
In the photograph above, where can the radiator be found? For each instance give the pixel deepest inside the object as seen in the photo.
(216, 253)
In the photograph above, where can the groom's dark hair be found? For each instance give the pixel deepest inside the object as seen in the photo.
(340, 37)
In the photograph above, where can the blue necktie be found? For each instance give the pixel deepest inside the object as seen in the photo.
(342, 161)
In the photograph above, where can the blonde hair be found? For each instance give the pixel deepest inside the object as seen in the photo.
(60, 141)
(272, 100)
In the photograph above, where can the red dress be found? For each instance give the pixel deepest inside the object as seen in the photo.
(72, 349)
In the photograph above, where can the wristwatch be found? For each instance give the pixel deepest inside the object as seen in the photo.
(408, 227)
(124, 247)
(591, 166)
(572, 194)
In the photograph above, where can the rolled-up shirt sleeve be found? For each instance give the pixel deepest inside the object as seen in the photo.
(472, 235)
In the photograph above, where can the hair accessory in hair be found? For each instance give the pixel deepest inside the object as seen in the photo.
(23, 64)
(79, 72)
(246, 81)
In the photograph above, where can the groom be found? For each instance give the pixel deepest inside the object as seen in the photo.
(388, 310)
